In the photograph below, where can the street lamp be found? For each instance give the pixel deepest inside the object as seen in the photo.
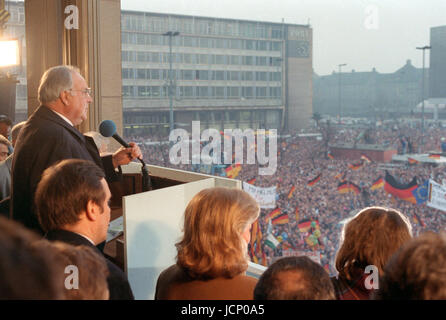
(422, 97)
(339, 93)
(170, 34)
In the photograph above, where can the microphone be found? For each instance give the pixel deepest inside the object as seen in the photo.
(107, 128)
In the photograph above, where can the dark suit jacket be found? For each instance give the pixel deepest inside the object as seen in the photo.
(118, 284)
(174, 284)
(46, 139)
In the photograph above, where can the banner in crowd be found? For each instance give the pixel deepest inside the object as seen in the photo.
(420, 193)
(313, 255)
(266, 197)
(437, 196)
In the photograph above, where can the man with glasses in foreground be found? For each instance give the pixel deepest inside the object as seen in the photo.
(50, 135)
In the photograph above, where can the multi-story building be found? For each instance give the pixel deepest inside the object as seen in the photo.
(437, 60)
(369, 94)
(226, 73)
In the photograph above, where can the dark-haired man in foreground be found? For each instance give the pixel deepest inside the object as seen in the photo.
(72, 202)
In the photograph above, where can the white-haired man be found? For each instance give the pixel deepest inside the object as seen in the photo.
(50, 135)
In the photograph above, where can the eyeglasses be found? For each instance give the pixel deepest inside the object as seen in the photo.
(84, 91)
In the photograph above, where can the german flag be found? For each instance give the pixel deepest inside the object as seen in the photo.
(365, 158)
(314, 181)
(434, 156)
(282, 219)
(254, 233)
(329, 155)
(251, 181)
(418, 220)
(304, 226)
(412, 161)
(338, 176)
(345, 187)
(354, 188)
(232, 171)
(399, 190)
(290, 194)
(274, 214)
(356, 166)
(377, 184)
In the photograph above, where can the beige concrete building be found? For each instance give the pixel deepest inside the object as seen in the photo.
(226, 73)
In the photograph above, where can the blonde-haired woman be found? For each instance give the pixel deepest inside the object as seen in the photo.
(368, 239)
(212, 255)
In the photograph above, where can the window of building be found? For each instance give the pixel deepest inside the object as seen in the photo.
(247, 76)
(154, 57)
(261, 61)
(141, 74)
(234, 75)
(235, 44)
(202, 75)
(204, 59)
(261, 76)
(261, 92)
(248, 60)
(202, 92)
(247, 92)
(127, 91)
(218, 75)
(154, 74)
(187, 74)
(235, 60)
(186, 92)
(220, 59)
(141, 56)
(233, 92)
(204, 43)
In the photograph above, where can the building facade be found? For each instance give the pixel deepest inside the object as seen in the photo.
(437, 60)
(369, 94)
(225, 73)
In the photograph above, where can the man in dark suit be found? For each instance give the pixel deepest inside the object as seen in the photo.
(72, 203)
(49, 135)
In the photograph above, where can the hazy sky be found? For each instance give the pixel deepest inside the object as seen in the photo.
(362, 33)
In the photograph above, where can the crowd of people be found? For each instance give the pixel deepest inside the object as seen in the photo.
(303, 158)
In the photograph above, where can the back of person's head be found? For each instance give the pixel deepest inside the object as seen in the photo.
(294, 278)
(371, 238)
(212, 245)
(65, 190)
(54, 81)
(6, 120)
(26, 273)
(15, 131)
(84, 270)
(417, 271)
